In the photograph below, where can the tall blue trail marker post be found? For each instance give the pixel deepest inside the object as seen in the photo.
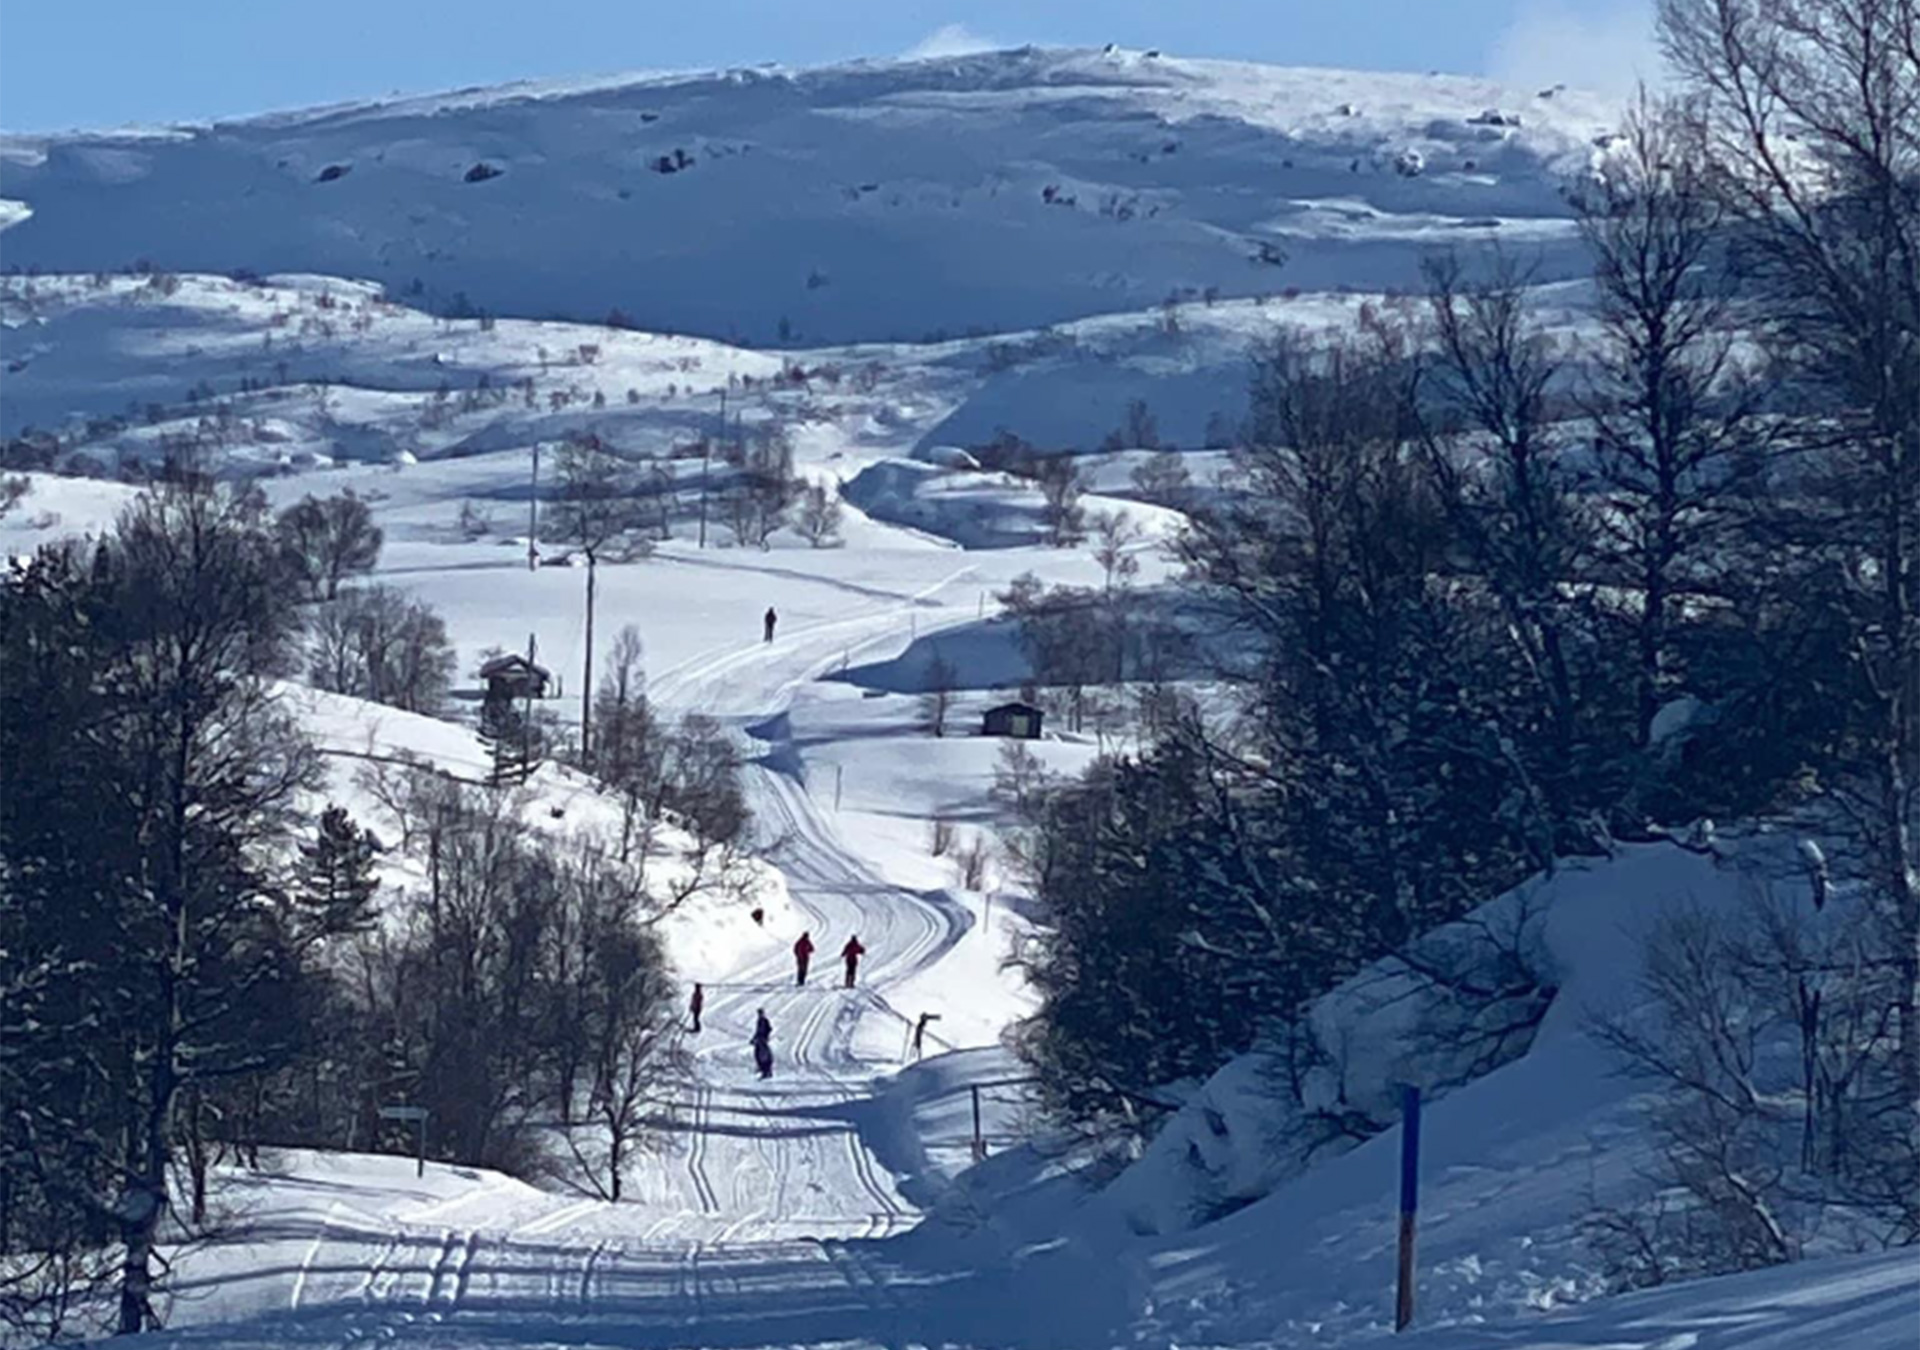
(1409, 1201)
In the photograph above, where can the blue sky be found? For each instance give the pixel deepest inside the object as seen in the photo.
(96, 63)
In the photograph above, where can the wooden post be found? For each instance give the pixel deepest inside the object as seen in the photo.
(1409, 1202)
(979, 1141)
(838, 770)
(526, 712)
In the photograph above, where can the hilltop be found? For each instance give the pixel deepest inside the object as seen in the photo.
(874, 201)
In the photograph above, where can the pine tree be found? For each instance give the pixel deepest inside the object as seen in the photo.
(336, 885)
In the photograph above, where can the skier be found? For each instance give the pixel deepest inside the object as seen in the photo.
(851, 954)
(763, 1044)
(920, 1031)
(802, 954)
(771, 620)
(698, 1002)
(759, 916)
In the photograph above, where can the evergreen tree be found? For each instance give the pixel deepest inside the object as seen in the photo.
(335, 885)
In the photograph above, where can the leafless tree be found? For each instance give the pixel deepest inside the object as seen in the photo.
(12, 488)
(971, 862)
(1811, 116)
(1499, 461)
(327, 539)
(474, 520)
(937, 697)
(381, 644)
(616, 1023)
(1162, 478)
(1061, 486)
(631, 742)
(1139, 431)
(1769, 1034)
(1676, 435)
(940, 836)
(818, 519)
(598, 514)
(1114, 534)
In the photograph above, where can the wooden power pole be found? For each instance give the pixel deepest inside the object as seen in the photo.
(533, 512)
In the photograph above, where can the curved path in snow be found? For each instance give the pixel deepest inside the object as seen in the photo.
(744, 1229)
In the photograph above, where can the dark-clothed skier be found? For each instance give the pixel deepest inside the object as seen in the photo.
(763, 1044)
(698, 1002)
(771, 620)
(802, 954)
(920, 1031)
(851, 954)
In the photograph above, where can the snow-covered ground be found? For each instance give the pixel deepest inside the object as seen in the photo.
(1053, 201)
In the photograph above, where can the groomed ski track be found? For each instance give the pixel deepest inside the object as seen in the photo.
(753, 1224)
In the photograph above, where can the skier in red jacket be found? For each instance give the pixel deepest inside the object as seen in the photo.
(802, 953)
(851, 954)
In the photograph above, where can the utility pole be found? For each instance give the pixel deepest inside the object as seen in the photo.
(586, 680)
(533, 514)
(706, 464)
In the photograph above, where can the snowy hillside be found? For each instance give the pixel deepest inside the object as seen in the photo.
(884, 201)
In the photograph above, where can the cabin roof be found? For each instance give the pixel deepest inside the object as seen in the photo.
(513, 664)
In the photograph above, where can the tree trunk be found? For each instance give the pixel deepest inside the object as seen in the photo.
(1900, 772)
(144, 1201)
(197, 1155)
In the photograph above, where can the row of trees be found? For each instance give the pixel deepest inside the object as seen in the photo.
(1493, 601)
(193, 966)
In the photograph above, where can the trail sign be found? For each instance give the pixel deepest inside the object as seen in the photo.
(418, 1115)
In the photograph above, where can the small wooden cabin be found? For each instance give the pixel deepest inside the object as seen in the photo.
(1019, 720)
(513, 677)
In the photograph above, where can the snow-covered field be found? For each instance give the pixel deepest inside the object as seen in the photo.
(1053, 201)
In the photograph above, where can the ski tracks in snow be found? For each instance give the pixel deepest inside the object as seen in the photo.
(770, 1172)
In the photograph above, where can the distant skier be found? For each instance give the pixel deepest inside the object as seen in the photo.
(920, 1031)
(771, 620)
(698, 1002)
(851, 954)
(763, 1044)
(802, 955)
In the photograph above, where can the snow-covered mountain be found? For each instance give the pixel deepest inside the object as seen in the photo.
(863, 202)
